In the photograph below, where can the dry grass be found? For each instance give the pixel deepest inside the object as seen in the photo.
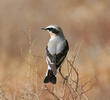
(22, 49)
(30, 86)
(24, 81)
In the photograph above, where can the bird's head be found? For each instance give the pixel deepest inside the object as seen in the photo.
(53, 30)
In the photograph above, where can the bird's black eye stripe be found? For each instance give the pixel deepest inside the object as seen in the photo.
(53, 30)
(50, 29)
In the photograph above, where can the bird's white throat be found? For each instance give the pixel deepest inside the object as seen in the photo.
(52, 35)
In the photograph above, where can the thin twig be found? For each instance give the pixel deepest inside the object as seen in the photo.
(51, 92)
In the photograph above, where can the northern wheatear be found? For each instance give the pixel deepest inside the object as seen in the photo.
(56, 51)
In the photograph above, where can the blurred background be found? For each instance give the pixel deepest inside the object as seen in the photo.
(22, 43)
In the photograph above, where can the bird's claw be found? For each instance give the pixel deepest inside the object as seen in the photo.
(65, 79)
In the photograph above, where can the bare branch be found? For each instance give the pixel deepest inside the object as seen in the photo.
(51, 92)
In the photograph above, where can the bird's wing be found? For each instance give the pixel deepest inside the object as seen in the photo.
(61, 56)
(55, 60)
(51, 60)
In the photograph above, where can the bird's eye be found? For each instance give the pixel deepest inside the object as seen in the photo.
(50, 29)
(53, 30)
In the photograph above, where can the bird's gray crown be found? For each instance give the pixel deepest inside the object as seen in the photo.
(53, 28)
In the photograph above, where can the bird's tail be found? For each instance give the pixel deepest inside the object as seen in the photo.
(50, 77)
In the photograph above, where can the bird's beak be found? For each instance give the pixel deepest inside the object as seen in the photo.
(43, 28)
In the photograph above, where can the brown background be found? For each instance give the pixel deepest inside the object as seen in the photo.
(84, 22)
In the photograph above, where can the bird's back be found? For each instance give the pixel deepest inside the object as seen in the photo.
(56, 45)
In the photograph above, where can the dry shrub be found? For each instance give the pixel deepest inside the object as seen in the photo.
(71, 88)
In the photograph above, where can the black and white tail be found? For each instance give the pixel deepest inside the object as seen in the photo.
(50, 77)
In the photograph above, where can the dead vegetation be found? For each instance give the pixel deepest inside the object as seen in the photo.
(86, 74)
(68, 87)
(72, 88)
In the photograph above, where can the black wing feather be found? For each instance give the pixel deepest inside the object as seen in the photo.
(59, 58)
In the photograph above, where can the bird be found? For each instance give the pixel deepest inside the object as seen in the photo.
(56, 51)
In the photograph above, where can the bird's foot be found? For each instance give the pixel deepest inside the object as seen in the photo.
(65, 79)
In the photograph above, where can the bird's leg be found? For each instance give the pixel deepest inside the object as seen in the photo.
(61, 73)
(65, 78)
